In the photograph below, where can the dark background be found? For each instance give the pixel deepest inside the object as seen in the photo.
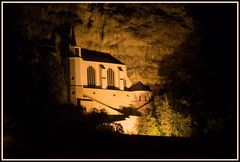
(218, 23)
(218, 50)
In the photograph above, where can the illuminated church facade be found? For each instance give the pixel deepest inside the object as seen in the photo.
(98, 80)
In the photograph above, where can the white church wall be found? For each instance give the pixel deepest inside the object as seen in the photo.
(73, 78)
(117, 98)
(77, 76)
(142, 95)
(85, 65)
(73, 70)
(96, 66)
(113, 98)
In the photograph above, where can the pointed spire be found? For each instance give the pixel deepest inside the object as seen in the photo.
(73, 40)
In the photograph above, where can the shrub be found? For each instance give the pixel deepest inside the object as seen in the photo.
(162, 120)
(148, 125)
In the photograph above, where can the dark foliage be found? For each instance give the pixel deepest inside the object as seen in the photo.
(201, 81)
(130, 111)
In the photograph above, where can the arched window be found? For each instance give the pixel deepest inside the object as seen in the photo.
(91, 77)
(110, 78)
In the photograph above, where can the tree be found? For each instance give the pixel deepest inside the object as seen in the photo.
(162, 120)
(148, 125)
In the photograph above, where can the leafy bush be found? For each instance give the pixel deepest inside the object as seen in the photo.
(101, 122)
(148, 125)
(162, 120)
(115, 128)
(130, 111)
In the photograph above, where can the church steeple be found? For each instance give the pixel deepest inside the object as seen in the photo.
(73, 49)
(73, 39)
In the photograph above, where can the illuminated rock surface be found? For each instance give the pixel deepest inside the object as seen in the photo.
(137, 34)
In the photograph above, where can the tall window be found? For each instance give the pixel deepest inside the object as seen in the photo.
(91, 77)
(110, 78)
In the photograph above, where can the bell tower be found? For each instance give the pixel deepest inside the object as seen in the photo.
(73, 63)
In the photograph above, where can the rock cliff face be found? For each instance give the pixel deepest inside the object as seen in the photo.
(139, 35)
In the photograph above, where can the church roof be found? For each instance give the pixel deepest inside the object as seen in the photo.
(90, 55)
(139, 86)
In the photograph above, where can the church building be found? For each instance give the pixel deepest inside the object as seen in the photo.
(98, 80)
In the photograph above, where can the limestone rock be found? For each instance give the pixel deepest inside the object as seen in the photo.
(137, 34)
